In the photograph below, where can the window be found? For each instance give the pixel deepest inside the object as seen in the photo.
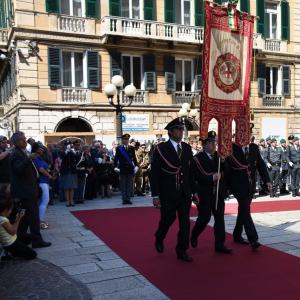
(131, 9)
(184, 75)
(273, 84)
(132, 70)
(73, 7)
(183, 12)
(73, 70)
(271, 21)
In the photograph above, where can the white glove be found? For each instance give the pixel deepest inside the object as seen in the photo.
(291, 164)
(269, 165)
(99, 160)
(117, 170)
(136, 169)
(280, 170)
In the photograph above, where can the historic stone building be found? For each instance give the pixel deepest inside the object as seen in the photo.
(57, 56)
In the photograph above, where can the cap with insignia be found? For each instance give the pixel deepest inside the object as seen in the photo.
(176, 123)
(126, 136)
(291, 137)
(296, 139)
(261, 140)
(282, 141)
(211, 137)
(268, 139)
(273, 140)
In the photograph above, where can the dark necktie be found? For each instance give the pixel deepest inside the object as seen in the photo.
(246, 152)
(179, 151)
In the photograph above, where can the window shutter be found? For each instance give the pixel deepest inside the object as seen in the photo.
(170, 78)
(199, 13)
(52, 6)
(260, 12)
(285, 21)
(198, 73)
(115, 8)
(149, 10)
(115, 64)
(169, 64)
(169, 11)
(93, 68)
(286, 81)
(54, 66)
(150, 74)
(261, 79)
(92, 8)
(245, 6)
(218, 1)
(170, 81)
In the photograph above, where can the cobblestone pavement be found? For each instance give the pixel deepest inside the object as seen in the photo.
(87, 259)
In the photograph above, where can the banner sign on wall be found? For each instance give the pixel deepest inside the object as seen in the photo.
(135, 122)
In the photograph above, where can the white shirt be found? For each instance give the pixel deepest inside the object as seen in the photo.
(175, 144)
(6, 239)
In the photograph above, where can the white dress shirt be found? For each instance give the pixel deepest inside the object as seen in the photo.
(175, 144)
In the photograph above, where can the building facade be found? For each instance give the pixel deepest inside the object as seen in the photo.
(57, 56)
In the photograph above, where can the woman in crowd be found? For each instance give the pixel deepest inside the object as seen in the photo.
(44, 178)
(105, 174)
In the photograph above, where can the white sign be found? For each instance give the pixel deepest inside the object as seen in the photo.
(274, 127)
(135, 122)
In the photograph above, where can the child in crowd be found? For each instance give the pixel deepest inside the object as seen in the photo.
(8, 231)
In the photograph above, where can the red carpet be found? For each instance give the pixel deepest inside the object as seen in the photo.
(266, 206)
(267, 274)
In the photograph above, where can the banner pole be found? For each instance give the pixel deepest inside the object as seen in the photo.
(218, 183)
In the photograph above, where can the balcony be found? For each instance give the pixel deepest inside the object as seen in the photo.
(71, 24)
(141, 98)
(151, 30)
(186, 97)
(3, 37)
(75, 96)
(273, 101)
(268, 45)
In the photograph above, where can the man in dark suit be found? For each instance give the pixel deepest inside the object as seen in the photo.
(172, 186)
(207, 176)
(24, 186)
(126, 163)
(241, 169)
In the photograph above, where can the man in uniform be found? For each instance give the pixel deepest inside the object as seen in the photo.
(125, 162)
(240, 175)
(206, 176)
(145, 167)
(289, 178)
(263, 149)
(293, 158)
(273, 161)
(138, 180)
(284, 168)
(268, 141)
(172, 186)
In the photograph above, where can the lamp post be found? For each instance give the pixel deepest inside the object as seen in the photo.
(187, 112)
(116, 88)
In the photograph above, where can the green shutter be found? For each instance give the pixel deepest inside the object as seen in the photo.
(170, 11)
(115, 8)
(199, 13)
(93, 67)
(261, 79)
(260, 12)
(92, 8)
(218, 1)
(286, 81)
(54, 67)
(116, 65)
(52, 6)
(285, 21)
(149, 10)
(245, 5)
(149, 72)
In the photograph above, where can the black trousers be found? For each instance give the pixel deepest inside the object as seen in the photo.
(18, 249)
(274, 174)
(283, 178)
(31, 218)
(126, 186)
(295, 178)
(244, 219)
(206, 207)
(169, 207)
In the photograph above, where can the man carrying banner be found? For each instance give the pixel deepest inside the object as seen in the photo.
(172, 186)
(206, 176)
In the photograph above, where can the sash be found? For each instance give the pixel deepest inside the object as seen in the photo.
(126, 156)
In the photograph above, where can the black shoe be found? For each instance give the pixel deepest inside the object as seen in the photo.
(255, 245)
(194, 242)
(263, 193)
(223, 249)
(294, 193)
(183, 256)
(241, 241)
(127, 202)
(40, 244)
(140, 194)
(159, 246)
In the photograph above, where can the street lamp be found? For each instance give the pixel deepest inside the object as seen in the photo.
(116, 88)
(187, 112)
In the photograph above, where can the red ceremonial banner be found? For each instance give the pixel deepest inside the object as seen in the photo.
(227, 58)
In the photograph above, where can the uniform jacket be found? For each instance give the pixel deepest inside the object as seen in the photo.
(166, 181)
(284, 162)
(24, 176)
(274, 157)
(204, 168)
(240, 174)
(293, 156)
(121, 162)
